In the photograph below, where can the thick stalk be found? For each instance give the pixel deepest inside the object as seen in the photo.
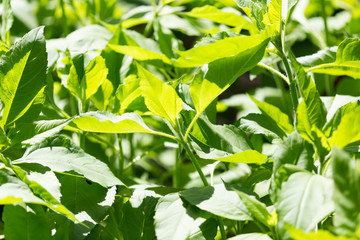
(176, 166)
(119, 161)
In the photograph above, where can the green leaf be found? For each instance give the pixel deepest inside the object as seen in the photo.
(247, 156)
(300, 190)
(139, 53)
(251, 236)
(85, 82)
(254, 9)
(161, 99)
(236, 49)
(173, 221)
(347, 60)
(326, 55)
(346, 177)
(297, 234)
(23, 75)
(311, 111)
(218, 16)
(26, 222)
(60, 159)
(343, 136)
(105, 122)
(275, 113)
(128, 92)
(261, 124)
(278, 12)
(219, 201)
(7, 20)
(89, 202)
(12, 190)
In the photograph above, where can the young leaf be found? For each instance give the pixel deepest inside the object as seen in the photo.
(275, 113)
(26, 222)
(22, 74)
(251, 47)
(161, 99)
(346, 177)
(342, 136)
(60, 159)
(7, 20)
(347, 60)
(105, 122)
(85, 82)
(218, 16)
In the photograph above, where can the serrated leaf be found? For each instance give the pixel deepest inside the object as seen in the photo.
(346, 177)
(22, 74)
(231, 47)
(60, 159)
(161, 99)
(275, 113)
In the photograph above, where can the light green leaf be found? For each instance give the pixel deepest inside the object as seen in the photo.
(230, 47)
(139, 53)
(218, 16)
(60, 159)
(247, 156)
(12, 190)
(7, 20)
(326, 55)
(85, 84)
(128, 92)
(251, 236)
(105, 122)
(261, 124)
(102, 99)
(173, 221)
(347, 60)
(26, 222)
(275, 113)
(300, 190)
(161, 99)
(297, 234)
(278, 12)
(346, 177)
(22, 74)
(218, 200)
(348, 131)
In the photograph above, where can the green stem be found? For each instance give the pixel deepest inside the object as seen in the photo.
(323, 15)
(176, 166)
(274, 71)
(191, 126)
(6, 161)
(222, 228)
(64, 18)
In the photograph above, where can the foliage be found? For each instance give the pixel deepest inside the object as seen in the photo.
(179, 119)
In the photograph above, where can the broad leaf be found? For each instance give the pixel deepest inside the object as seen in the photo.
(347, 60)
(251, 236)
(218, 16)
(161, 99)
(223, 72)
(139, 53)
(23, 75)
(173, 221)
(326, 55)
(7, 20)
(218, 200)
(275, 113)
(26, 222)
(348, 131)
(300, 190)
(297, 234)
(346, 176)
(231, 48)
(61, 159)
(105, 122)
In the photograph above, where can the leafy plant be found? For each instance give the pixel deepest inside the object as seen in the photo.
(177, 119)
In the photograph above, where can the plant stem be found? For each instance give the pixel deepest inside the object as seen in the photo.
(64, 19)
(176, 166)
(222, 228)
(323, 15)
(120, 155)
